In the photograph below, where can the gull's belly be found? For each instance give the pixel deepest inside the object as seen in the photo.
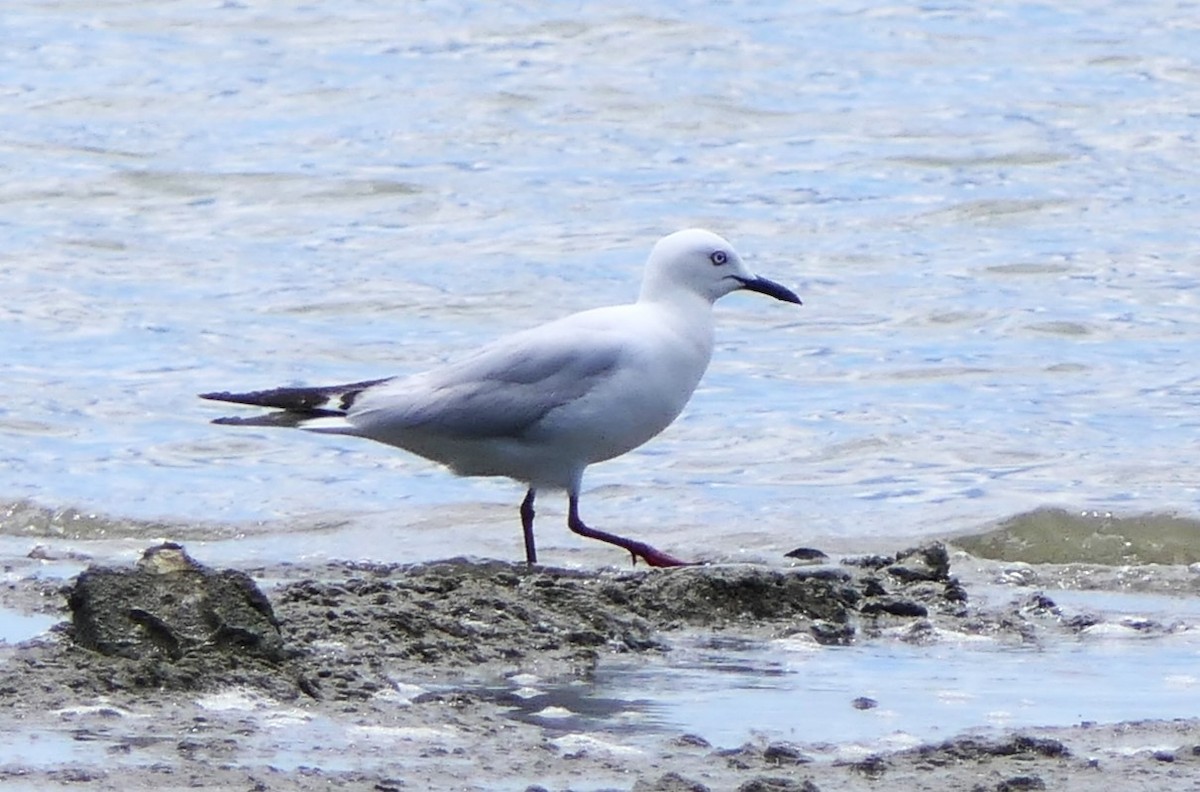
(628, 411)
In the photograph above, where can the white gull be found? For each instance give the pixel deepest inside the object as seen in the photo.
(540, 405)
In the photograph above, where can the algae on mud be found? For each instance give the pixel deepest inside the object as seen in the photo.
(1056, 536)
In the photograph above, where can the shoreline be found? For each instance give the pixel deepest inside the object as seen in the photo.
(386, 677)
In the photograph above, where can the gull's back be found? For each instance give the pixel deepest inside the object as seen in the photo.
(540, 405)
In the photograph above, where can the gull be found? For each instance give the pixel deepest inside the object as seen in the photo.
(540, 405)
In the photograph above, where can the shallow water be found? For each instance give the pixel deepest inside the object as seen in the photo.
(729, 689)
(17, 626)
(922, 693)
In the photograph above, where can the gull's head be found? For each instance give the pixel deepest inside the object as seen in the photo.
(698, 262)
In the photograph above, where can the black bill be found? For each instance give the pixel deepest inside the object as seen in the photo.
(771, 289)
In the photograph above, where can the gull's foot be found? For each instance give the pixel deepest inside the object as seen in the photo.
(652, 557)
(657, 558)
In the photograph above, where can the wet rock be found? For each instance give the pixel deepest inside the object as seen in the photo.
(1082, 621)
(460, 614)
(352, 629)
(828, 634)
(971, 749)
(784, 754)
(954, 591)
(895, 607)
(670, 782)
(909, 585)
(873, 562)
(343, 628)
(806, 554)
(768, 784)
(1164, 756)
(739, 758)
(872, 586)
(1039, 604)
(928, 562)
(1143, 625)
(722, 595)
(873, 766)
(864, 703)
(168, 607)
(73, 775)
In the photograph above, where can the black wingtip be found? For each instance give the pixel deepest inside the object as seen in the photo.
(297, 399)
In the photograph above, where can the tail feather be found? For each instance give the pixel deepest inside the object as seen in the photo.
(287, 419)
(296, 405)
(328, 400)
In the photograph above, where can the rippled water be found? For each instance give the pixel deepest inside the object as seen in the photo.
(988, 209)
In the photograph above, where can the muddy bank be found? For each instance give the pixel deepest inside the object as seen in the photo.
(172, 624)
(170, 674)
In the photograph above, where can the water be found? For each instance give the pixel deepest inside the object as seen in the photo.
(793, 690)
(922, 693)
(16, 626)
(989, 210)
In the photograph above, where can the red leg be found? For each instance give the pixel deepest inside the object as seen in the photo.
(652, 557)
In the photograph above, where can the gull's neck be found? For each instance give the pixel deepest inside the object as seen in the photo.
(662, 292)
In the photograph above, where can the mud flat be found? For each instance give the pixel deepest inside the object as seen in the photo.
(171, 675)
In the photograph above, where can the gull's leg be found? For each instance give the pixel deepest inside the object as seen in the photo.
(654, 558)
(527, 524)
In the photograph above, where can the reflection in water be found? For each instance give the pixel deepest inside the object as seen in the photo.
(924, 693)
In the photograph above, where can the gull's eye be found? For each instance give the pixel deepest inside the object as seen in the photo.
(718, 257)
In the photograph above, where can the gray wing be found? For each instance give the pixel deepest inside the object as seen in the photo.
(503, 390)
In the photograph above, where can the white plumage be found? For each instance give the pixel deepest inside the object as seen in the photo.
(540, 405)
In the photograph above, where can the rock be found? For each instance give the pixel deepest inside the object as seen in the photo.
(972, 749)
(670, 782)
(784, 754)
(691, 741)
(169, 606)
(896, 607)
(928, 562)
(864, 703)
(869, 561)
(954, 591)
(806, 554)
(873, 766)
(828, 634)
(768, 784)
(708, 596)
